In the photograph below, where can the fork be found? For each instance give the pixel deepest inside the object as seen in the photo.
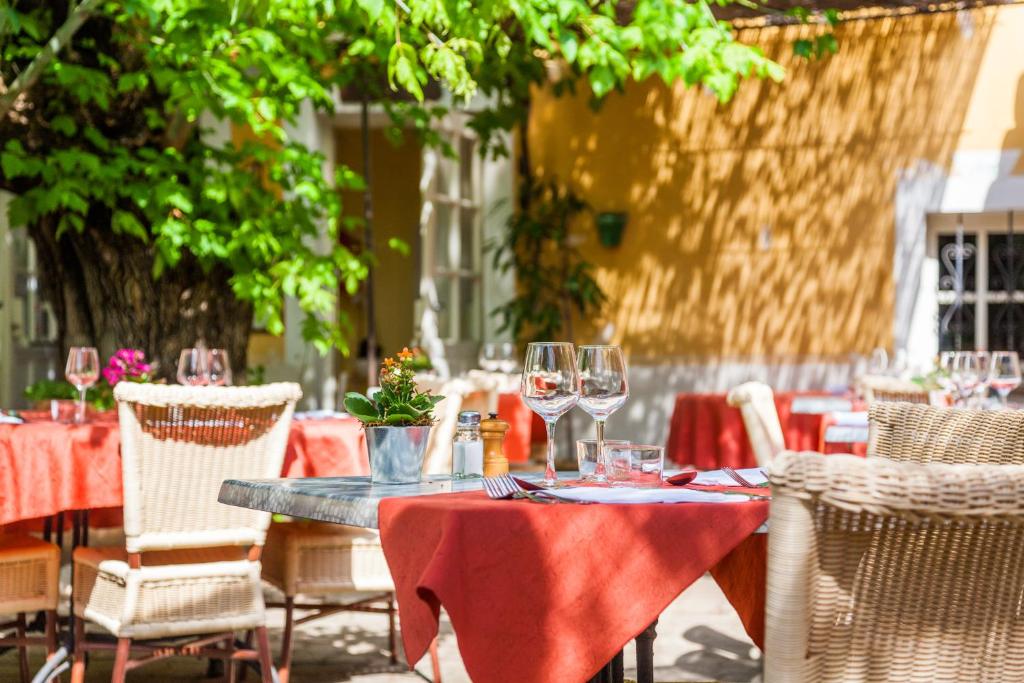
(735, 476)
(505, 486)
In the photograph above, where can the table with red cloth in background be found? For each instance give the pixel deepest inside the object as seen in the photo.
(554, 592)
(48, 467)
(707, 433)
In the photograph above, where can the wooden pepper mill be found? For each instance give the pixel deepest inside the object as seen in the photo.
(493, 432)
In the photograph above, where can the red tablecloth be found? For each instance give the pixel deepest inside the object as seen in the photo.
(707, 433)
(552, 592)
(47, 467)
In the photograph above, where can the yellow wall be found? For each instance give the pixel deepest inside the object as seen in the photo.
(396, 205)
(813, 161)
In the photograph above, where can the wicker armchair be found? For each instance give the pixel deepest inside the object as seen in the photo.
(882, 388)
(28, 583)
(890, 571)
(917, 433)
(190, 565)
(761, 419)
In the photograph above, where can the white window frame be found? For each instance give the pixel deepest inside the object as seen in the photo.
(981, 226)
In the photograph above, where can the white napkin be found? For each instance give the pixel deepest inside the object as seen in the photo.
(319, 415)
(589, 494)
(755, 475)
(10, 420)
(857, 418)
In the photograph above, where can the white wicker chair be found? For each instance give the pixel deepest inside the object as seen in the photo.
(28, 584)
(885, 389)
(891, 571)
(190, 566)
(761, 419)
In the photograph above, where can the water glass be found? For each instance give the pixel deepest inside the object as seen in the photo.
(82, 371)
(966, 374)
(603, 388)
(587, 457)
(193, 367)
(879, 362)
(636, 466)
(219, 367)
(550, 387)
(1004, 373)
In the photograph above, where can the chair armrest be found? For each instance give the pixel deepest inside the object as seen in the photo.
(910, 490)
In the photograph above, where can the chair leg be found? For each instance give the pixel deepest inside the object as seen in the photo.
(124, 648)
(435, 661)
(392, 641)
(22, 649)
(231, 665)
(78, 668)
(51, 633)
(286, 640)
(243, 669)
(266, 663)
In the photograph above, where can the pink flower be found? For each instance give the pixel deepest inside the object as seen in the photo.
(127, 364)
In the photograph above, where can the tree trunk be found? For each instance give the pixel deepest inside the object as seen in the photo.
(104, 295)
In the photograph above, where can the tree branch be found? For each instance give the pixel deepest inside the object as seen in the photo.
(27, 78)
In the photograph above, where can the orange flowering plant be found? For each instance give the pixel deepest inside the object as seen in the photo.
(398, 403)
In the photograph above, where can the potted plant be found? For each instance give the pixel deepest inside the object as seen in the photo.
(397, 420)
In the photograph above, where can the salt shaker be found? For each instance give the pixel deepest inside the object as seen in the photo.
(468, 447)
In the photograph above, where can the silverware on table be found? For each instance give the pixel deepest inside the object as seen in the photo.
(739, 479)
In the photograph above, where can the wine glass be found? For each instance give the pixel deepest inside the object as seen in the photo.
(603, 390)
(489, 357)
(192, 367)
(218, 367)
(944, 374)
(506, 355)
(550, 387)
(965, 375)
(82, 370)
(879, 362)
(984, 363)
(1004, 373)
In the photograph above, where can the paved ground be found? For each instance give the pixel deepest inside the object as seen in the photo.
(699, 639)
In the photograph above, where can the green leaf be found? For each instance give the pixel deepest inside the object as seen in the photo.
(361, 407)
(373, 8)
(399, 245)
(803, 48)
(399, 419)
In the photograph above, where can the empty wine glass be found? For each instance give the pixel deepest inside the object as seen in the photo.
(550, 387)
(218, 367)
(944, 375)
(498, 357)
(192, 367)
(603, 390)
(82, 370)
(1004, 373)
(966, 374)
(984, 363)
(879, 362)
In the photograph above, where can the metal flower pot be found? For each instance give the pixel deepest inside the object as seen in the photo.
(396, 453)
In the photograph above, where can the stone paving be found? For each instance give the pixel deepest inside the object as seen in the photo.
(700, 638)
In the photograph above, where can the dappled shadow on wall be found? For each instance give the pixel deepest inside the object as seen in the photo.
(765, 226)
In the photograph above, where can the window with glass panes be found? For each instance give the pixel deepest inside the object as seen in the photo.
(452, 253)
(981, 280)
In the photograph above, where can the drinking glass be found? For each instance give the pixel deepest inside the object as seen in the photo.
(192, 367)
(550, 387)
(944, 376)
(879, 362)
(966, 375)
(588, 456)
(636, 466)
(603, 389)
(218, 367)
(984, 363)
(498, 357)
(82, 370)
(1004, 373)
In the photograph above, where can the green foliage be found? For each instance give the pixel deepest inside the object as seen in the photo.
(113, 136)
(100, 396)
(398, 403)
(553, 281)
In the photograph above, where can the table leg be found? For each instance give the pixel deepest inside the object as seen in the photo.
(612, 672)
(645, 654)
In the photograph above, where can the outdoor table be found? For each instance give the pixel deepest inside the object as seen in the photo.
(707, 433)
(47, 467)
(534, 592)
